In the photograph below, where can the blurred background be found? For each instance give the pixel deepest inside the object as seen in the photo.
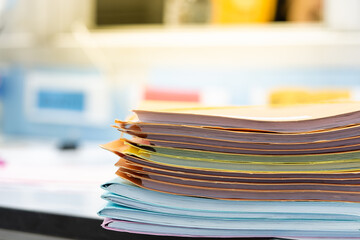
(69, 68)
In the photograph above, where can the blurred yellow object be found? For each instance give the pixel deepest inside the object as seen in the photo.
(300, 96)
(243, 11)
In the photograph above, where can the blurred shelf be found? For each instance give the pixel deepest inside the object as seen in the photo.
(131, 48)
(209, 36)
(188, 36)
(17, 40)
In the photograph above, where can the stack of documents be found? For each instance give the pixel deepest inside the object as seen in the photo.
(238, 172)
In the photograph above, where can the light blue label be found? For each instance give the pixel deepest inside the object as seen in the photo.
(59, 100)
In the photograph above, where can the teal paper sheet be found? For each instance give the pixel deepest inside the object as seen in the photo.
(156, 229)
(132, 203)
(134, 209)
(179, 220)
(126, 190)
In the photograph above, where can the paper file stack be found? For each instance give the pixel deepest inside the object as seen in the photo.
(238, 172)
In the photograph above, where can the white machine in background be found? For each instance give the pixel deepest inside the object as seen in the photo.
(59, 103)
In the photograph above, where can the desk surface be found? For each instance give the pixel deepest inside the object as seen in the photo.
(38, 176)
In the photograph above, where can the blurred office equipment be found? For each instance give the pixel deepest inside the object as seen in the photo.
(57, 103)
(242, 62)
